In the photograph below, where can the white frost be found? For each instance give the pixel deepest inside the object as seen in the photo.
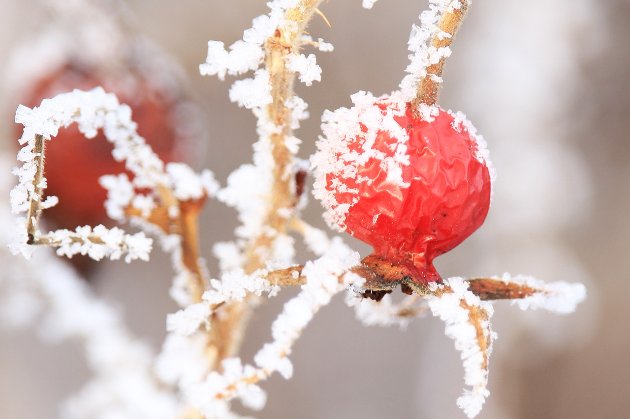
(187, 185)
(252, 93)
(557, 297)
(423, 54)
(306, 67)
(324, 278)
(453, 307)
(235, 285)
(91, 111)
(482, 154)
(368, 4)
(100, 242)
(188, 320)
(348, 127)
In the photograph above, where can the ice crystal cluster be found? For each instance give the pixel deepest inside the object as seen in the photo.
(197, 372)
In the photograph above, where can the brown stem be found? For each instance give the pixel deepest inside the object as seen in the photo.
(478, 317)
(47, 241)
(189, 224)
(228, 326)
(429, 85)
(159, 217)
(381, 275)
(34, 209)
(285, 41)
(186, 225)
(494, 289)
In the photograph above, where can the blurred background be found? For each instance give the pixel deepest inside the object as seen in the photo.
(547, 85)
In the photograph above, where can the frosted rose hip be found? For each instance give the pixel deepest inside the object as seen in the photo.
(411, 188)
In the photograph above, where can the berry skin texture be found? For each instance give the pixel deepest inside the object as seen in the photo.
(411, 188)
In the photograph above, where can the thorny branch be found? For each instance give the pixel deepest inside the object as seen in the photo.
(286, 40)
(185, 223)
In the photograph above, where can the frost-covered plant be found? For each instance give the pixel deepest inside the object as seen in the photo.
(198, 372)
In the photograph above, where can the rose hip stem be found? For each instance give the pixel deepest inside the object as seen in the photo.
(429, 85)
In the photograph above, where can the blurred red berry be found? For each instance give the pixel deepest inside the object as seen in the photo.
(411, 188)
(74, 164)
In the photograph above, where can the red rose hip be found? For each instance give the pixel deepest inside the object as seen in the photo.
(412, 187)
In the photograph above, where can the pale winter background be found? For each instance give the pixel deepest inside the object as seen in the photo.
(545, 82)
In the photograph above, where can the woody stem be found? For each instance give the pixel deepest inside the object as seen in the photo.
(429, 85)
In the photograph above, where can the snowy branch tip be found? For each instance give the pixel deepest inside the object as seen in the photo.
(429, 44)
(277, 28)
(467, 319)
(92, 111)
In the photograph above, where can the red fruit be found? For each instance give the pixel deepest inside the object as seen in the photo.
(74, 164)
(411, 188)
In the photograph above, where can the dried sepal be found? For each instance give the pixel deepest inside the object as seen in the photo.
(467, 321)
(558, 297)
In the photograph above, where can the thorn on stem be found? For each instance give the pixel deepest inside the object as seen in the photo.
(300, 181)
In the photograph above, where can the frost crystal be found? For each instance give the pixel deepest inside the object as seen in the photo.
(252, 93)
(189, 320)
(298, 109)
(91, 110)
(423, 54)
(306, 67)
(242, 57)
(368, 4)
(557, 297)
(482, 154)
(320, 44)
(322, 282)
(101, 242)
(248, 54)
(182, 359)
(120, 193)
(249, 185)
(235, 285)
(245, 191)
(336, 154)
(187, 185)
(229, 256)
(324, 278)
(385, 312)
(316, 240)
(468, 324)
